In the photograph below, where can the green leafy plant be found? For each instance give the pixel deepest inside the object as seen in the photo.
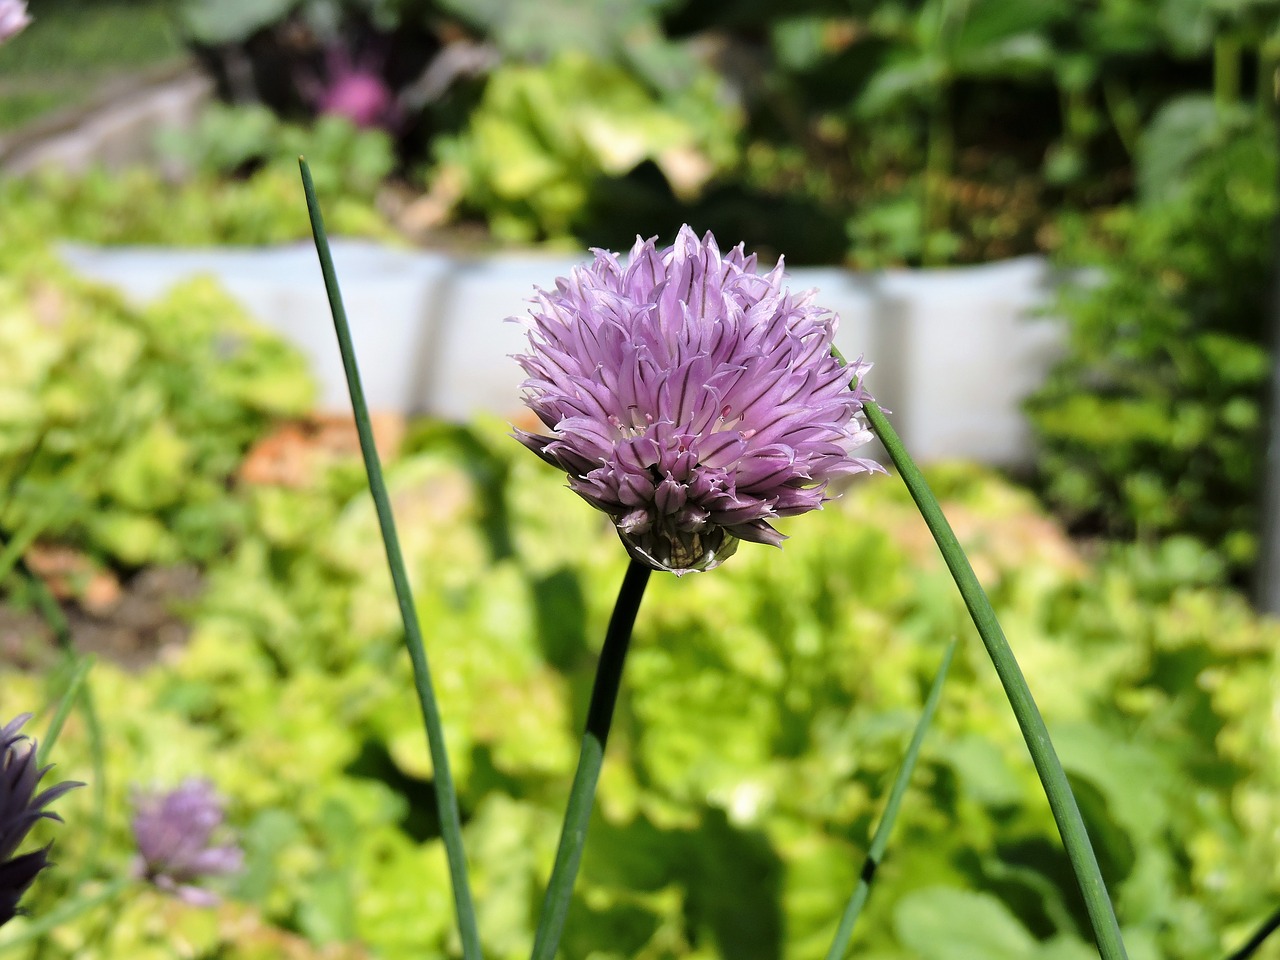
(140, 206)
(1152, 425)
(942, 43)
(758, 739)
(141, 480)
(618, 32)
(234, 21)
(236, 141)
(542, 137)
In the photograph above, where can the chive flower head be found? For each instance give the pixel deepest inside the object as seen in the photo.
(174, 832)
(354, 88)
(690, 398)
(13, 18)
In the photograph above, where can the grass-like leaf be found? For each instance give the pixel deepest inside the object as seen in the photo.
(880, 839)
(79, 670)
(446, 795)
(1057, 789)
(1255, 942)
(1062, 802)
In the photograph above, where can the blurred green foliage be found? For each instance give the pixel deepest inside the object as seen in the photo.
(121, 427)
(237, 21)
(542, 139)
(74, 48)
(240, 188)
(1153, 424)
(919, 132)
(345, 161)
(764, 712)
(955, 130)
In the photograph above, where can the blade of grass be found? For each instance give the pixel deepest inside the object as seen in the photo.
(446, 795)
(79, 670)
(1057, 789)
(20, 471)
(604, 695)
(17, 546)
(1062, 802)
(880, 839)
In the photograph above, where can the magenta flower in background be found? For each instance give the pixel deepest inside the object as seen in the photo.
(20, 808)
(174, 832)
(354, 88)
(13, 18)
(690, 399)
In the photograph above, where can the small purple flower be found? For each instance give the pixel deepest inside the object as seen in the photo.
(690, 399)
(174, 832)
(354, 88)
(20, 808)
(13, 18)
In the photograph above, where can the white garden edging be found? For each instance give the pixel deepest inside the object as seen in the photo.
(955, 350)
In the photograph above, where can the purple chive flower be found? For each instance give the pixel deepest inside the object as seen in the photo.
(355, 89)
(20, 808)
(174, 832)
(13, 18)
(690, 399)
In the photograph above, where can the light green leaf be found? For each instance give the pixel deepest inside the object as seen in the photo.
(942, 923)
(918, 79)
(229, 21)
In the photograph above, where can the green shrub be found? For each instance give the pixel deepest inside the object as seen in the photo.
(1153, 425)
(542, 137)
(121, 427)
(242, 188)
(228, 141)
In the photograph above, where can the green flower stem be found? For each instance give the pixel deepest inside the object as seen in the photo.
(1255, 942)
(1062, 802)
(446, 795)
(1122, 109)
(880, 839)
(604, 694)
(65, 912)
(939, 162)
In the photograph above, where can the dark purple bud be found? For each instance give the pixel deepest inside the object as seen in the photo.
(20, 808)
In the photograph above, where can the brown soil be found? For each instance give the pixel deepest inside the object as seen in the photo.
(130, 623)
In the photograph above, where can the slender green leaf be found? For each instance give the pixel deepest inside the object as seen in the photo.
(880, 840)
(446, 796)
(80, 670)
(1062, 802)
